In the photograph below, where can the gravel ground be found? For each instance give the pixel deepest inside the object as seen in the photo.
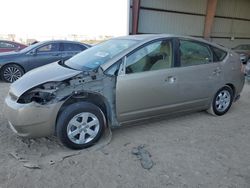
(196, 150)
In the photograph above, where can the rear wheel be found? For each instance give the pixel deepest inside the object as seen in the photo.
(11, 72)
(80, 125)
(222, 101)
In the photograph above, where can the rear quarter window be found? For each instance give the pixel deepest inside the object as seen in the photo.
(218, 54)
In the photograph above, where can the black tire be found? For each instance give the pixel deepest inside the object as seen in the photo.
(214, 108)
(11, 72)
(68, 114)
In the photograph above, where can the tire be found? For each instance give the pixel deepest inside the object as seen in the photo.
(222, 101)
(80, 125)
(11, 72)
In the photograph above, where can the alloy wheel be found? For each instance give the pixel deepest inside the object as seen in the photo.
(83, 128)
(11, 73)
(223, 100)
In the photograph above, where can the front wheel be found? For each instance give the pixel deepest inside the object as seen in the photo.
(222, 101)
(11, 72)
(80, 125)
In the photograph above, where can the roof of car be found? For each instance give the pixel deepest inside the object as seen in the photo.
(48, 41)
(144, 38)
(9, 41)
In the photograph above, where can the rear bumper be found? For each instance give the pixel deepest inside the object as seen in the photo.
(31, 120)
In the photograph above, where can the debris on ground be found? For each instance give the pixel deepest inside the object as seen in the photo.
(31, 165)
(16, 156)
(144, 156)
(26, 162)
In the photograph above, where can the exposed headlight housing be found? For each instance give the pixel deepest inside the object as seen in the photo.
(41, 94)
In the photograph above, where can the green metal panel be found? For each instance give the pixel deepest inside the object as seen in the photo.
(233, 8)
(163, 22)
(192, 6)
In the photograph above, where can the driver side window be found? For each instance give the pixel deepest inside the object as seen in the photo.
(155, 56)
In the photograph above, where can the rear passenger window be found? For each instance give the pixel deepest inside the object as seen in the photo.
(73, 47)
(194, 53)
(219, 54)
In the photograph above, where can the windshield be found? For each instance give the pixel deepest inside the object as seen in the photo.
(97, 55)
(30, 47)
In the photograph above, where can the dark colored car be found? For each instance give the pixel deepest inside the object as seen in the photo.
(244, 51)
(8, 46)
(14, 64)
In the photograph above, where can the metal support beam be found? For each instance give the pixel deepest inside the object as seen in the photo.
(135, 16)
(211, 9)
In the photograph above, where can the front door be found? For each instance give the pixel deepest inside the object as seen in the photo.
(146, 84)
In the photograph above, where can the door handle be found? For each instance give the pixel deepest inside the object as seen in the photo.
(170, 79)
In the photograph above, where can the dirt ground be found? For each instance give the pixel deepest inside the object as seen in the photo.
(196, 150)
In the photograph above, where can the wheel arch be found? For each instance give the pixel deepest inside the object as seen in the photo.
(232, 87)
(12, 63)
(93, 98)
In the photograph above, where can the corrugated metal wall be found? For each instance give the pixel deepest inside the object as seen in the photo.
(187, 17)
(232, 22)
(166, 16)
(170, 23)
(192, 6)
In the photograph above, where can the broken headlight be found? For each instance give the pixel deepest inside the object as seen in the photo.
(41, 94)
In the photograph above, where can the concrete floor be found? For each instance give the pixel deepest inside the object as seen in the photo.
(195, 150)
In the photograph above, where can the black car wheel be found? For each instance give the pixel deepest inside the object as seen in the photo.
(11, 72)
(80, 125)
(222, 101)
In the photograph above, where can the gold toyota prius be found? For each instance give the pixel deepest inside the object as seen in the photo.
(121, 81)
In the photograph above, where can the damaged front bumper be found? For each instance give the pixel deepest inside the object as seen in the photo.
(32, 119)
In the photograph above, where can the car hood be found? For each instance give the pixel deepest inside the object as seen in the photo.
(48, 73)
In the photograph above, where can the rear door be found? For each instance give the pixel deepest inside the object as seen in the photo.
(198, 75)
(45, 54)
(71, 49)
(146, 84)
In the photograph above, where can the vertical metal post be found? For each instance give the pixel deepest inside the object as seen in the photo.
(135, 16)
(211, 9)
